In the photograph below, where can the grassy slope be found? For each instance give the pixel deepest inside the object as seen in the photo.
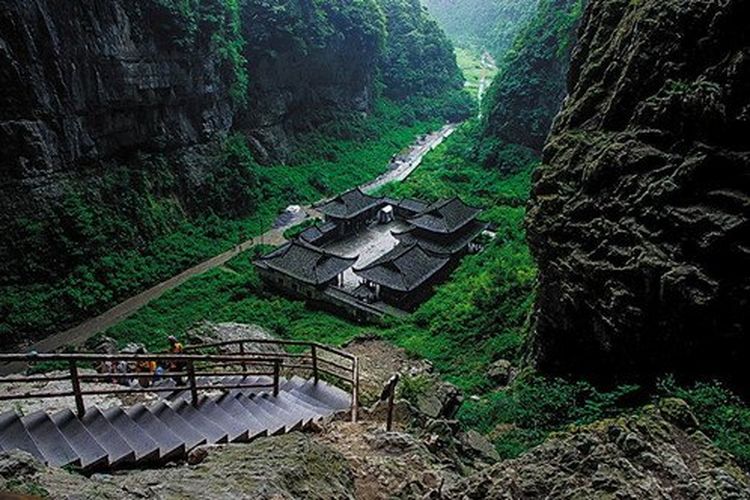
(469, 60)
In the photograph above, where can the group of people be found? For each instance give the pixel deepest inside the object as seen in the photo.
(122, 371)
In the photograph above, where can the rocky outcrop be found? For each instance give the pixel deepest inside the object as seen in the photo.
(285, 468)
(640, 214)
(655, 455)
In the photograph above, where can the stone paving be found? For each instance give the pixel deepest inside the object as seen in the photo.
(370, 244)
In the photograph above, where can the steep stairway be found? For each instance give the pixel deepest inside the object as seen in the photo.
(169, 428)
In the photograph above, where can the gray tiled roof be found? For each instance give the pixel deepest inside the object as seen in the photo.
(404, 268)
(305, 262)
(315, 232)
(445, 216)
(456, 243)
(413, 205)
(349, 204)
(311, 234)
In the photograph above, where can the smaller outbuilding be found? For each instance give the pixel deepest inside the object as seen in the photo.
(351, 211)
(303, 269)
(404, 277)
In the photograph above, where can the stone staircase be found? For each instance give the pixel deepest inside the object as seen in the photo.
(167, 429)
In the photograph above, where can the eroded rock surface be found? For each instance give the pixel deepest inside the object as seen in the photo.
(640, 215)
(282, 468)
(653, 455)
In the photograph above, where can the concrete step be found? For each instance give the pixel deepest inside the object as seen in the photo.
(270, 404)
(146, 449)
(51, 443)
(330, 395)
(312, 403)
(233, 407)
(170, 444)
(14, 436)
(92, 455)
(118, 450)
(293, 406)
(236, 431)
(190, 432)
(143, 434)
(274, 425)
(212, 430)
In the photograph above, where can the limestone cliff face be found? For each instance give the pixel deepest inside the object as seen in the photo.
(640, 213)
(82, 83)
(90, 87)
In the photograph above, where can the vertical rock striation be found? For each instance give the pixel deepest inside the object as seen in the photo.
(640, 213)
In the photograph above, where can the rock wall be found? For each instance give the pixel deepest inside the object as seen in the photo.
(307, 65)
(640, 214)
(654, 455)
(126, 104)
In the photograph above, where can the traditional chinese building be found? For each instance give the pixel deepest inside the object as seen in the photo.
(351, 211)
(302, 269)
(429, 243)
(448, 227)
(404, 277)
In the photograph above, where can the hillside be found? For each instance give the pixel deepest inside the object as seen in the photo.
(136, 131)
(484, 24)
(530, 86)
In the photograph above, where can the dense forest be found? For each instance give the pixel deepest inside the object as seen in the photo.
(609, 158)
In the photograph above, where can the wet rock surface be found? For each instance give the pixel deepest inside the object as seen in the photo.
(640, 214)
(644, 456)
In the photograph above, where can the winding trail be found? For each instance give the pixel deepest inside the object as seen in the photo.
(398, 170)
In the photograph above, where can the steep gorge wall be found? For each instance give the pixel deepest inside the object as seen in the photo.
(85, 87)
(527, 93)
(640, 213)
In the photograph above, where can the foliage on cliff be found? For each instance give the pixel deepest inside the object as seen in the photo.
(189, 23)
(418, 63)
(529, 89)
(485, 24)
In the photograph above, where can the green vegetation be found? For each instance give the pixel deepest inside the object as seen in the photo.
(119, 242)
(474, 69)
(723, 416)
(537, 63)
(418, 65)
(522, 416)
(482, 24)
(196, 23)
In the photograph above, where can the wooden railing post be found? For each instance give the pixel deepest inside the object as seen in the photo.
(191, 381)
(315, 363)
(76, 382)
(276, 372)
(242, 353)
(355, 388)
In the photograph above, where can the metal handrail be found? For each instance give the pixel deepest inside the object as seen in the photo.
(278, 360)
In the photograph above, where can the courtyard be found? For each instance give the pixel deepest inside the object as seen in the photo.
(369, 245)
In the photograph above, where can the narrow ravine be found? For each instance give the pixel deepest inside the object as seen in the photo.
(399, 169)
